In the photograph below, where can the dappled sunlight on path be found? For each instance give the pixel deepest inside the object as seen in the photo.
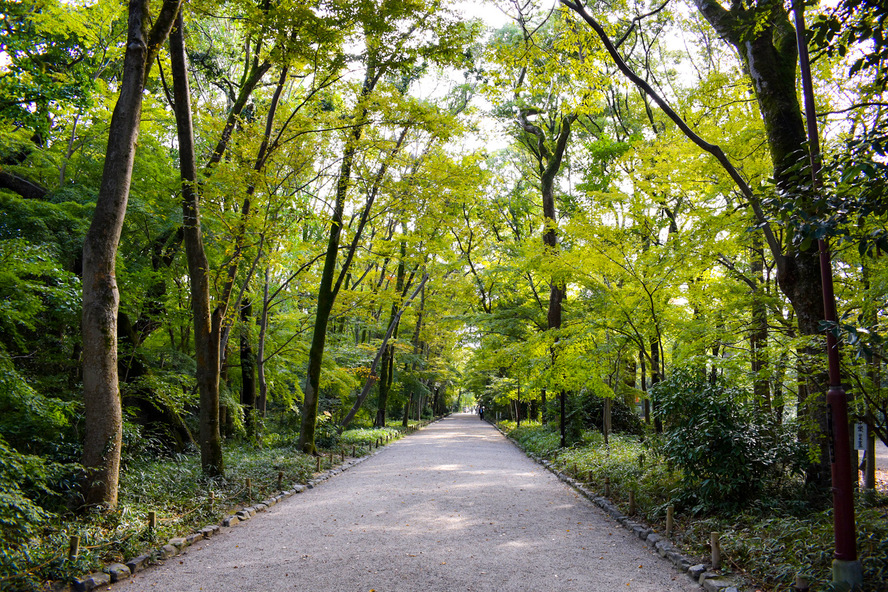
(453, 507)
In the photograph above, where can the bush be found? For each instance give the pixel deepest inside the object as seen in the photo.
(725, 450)
(623, 419)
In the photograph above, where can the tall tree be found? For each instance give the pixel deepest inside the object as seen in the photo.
(207, 324)
(764, 39)
(101, 299)
(397, 35)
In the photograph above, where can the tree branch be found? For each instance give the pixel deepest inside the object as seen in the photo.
(712, 149)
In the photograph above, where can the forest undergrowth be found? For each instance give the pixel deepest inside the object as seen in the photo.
(171, 486)
(783, 531)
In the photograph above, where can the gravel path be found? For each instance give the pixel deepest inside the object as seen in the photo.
(454, 507)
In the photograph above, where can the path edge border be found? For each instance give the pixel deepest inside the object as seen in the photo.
(711, 581)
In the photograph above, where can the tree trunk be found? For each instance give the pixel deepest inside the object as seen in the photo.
(388, 334)
(405, 421)
(101, 299)
(644, 389)
(765, 41)
(758, 337)
(548, 165)
(262, 398)
(388, 357)
(207, 325)
(769, 54)
(327, 291)
(655, 378)
(248, 371)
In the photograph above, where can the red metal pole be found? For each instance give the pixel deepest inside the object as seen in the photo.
(846, 568)
(839, 436)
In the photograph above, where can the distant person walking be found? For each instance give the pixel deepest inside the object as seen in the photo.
(481, 413)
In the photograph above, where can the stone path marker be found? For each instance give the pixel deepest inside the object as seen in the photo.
(455, 507)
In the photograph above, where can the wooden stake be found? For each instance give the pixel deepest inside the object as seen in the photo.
(716, 550)
(353, 450)
(801, 583)
(280, 480)
(73, 546)
(249, 489)
(318, 458)
(670, 518)
(631, 503)
(607, 487)
(152, 519)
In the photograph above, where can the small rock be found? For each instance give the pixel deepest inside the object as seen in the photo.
(716, 585)
(118, 571)
(91, 581)
(230, 521)
(137, 563)
(695, 571)
(641, 532)
(708, 575)
(193, 538)
(676, 559)
(209, 531)
(299, 488)
(653, 539)
(167, 551)
(261, 507)
(179, 543)
(663, 547)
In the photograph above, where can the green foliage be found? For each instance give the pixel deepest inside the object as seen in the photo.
(629, 463)
(774, 546)
(623, 419)
(326, 431)
(58, 227)
(21, 477)
(32, 286)
(29, 420)
(855, 27)
(33, 545)
(726, 451)
(533, 437)
(367, 436)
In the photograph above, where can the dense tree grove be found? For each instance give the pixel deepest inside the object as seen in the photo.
(256, 221)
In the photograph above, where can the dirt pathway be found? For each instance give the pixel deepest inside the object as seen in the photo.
(454, 507)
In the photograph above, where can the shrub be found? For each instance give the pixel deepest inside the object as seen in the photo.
(623, 419)
(725, 450)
